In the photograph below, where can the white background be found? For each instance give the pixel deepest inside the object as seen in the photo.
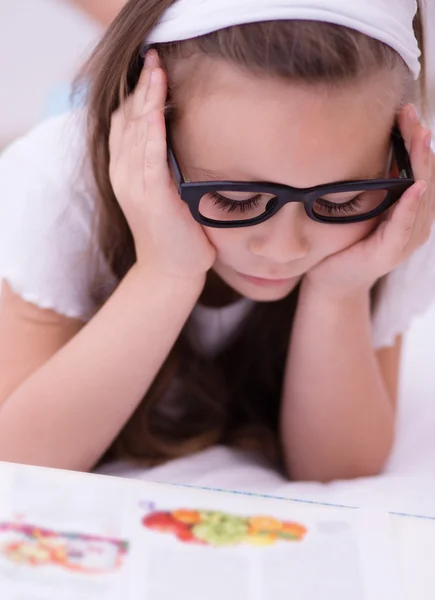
(42, 42)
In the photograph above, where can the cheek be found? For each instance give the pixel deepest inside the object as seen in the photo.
(334, 238)
(232, 245)
(229, 243)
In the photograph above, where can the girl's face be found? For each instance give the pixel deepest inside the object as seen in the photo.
(244, 128)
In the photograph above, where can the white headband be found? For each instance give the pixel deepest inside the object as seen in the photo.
(389, 21)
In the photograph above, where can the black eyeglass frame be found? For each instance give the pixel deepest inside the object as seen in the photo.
(191, 192)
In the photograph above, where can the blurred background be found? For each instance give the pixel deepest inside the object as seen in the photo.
(42, 42)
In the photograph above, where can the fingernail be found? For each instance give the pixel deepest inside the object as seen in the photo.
(428, 140)
(413, 114)
(149, 59)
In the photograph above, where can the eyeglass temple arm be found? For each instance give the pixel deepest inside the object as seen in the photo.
(173, 165)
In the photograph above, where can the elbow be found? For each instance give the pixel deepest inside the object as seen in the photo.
(362, 463)
(336, 472)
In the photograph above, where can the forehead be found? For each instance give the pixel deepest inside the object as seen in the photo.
(251, 127)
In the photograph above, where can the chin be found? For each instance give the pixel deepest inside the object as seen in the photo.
(261, 293)
(258, 291)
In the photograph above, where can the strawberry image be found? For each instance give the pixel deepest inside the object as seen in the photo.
(164, 522)
(161, 521)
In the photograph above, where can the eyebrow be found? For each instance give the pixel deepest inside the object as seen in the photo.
(210, 175)
(380, 173)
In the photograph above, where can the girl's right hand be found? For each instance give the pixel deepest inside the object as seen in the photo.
(167, 238)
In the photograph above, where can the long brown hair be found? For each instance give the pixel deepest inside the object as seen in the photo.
(235, 397)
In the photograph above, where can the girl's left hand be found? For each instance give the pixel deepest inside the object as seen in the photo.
(405, 229)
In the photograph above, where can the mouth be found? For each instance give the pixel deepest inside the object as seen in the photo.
(268, 281)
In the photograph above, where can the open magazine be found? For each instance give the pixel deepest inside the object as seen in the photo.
(70, 536)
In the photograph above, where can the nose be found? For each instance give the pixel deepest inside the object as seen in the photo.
(282, 238)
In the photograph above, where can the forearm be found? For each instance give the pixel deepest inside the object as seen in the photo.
(101, 10)
(68, 412)
(337, 417)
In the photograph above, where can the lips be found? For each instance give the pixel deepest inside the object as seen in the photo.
(270, 278)
(267, 281)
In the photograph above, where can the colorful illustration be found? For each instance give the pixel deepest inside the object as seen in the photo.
(219, 529)
(35, 547)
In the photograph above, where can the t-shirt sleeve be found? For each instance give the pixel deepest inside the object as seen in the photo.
(405, 294)
(47, 220)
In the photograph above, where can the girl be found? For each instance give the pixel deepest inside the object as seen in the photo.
(193, 274)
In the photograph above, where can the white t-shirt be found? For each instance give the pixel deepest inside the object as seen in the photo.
(47, 220)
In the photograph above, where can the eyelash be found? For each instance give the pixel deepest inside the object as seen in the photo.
(233, 205)
(245, 205)
(345, 208)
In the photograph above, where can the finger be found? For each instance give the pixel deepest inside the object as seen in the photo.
(417, 141)
(157, 91)
(138, 134)
(132, 151)
(409, 123)
(118, 125)
(140, 92)
(148, 99)
(421, 158)
(133, 142)
(421, 154)
(398, 229)
(133, 106)
(157, 176)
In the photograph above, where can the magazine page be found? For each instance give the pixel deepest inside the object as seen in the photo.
(414, 543)
(68, 535)
(65, 536)
(216, 545)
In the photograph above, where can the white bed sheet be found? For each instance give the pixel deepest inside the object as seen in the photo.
(408, 484)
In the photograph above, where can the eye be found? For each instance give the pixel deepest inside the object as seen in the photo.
(232, 205)
(345, 208)
(340, 204)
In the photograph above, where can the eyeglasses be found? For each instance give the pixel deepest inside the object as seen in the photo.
(225, 204)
